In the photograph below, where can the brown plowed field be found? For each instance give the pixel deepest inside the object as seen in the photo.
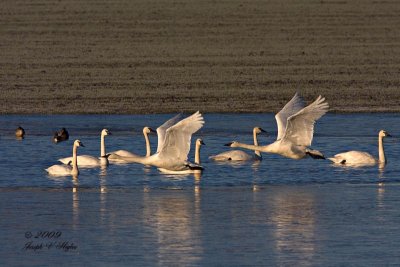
(162, 56)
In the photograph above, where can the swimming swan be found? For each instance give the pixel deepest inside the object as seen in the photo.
(174, 146)
(358, 158)
(91, 161)
(295, 129)
(199, 143)
(239, 155)
(63, 170)
(125, 153)
(119, 157)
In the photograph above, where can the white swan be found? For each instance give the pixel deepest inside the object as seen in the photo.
(295, 129)
(87, 161)
(239, 155)
(358, 158)
(174, 146)
(118, 156)
(197, 161)
(63, 170)
(114, 156)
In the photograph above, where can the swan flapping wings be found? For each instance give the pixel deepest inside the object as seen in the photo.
(300, 126)
(177, 138)
(292, 107)
(163, 128)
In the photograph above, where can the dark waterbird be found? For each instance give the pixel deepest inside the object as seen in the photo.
(61, 135)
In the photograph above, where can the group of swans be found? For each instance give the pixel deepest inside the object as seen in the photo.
(91, 161)
(295, 130)
(174, 138)
(295, 124)
(295, 133)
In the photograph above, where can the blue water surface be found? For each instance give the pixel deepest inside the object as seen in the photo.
(277, 212)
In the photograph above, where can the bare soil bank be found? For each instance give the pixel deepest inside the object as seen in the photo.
(162, 56)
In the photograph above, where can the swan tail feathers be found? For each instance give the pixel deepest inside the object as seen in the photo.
(65, 160)
(194, 167)
(338, 160)
(315, 154)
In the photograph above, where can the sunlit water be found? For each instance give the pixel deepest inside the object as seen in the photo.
(277, 212)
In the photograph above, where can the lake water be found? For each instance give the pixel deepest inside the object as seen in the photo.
(278, 212)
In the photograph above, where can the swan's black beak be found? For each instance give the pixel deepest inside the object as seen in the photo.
(109, 133)
(262, 130)
(152, 130)
(80, 144)
(389, 135)
(202, 143)
(228, 144)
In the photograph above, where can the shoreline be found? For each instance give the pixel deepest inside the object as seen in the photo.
(186, 112)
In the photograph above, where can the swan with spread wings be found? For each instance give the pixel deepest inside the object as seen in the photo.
(295, 129)
(174, 138)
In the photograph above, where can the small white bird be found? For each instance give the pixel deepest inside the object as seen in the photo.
(359, 159)
(239, 155)
(87, 161)
(173, 146)
(64, 170)
(295, 129)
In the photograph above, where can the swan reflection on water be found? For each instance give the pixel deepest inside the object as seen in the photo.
(294, 219)
(174, 220)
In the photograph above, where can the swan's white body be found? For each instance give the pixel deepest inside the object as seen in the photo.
(63, 170)
(173, 146)
(87, 161)
(114, 156)
(199, 143)
(239, 155)
(295, 129)
(359, 158)
(233, 155)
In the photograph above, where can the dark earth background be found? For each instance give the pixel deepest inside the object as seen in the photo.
(163, 56)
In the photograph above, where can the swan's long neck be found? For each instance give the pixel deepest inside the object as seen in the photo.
(148, 148)
(197, 154)
(137, 159)
(382, 158)
(257, 152)
(267, 148)
(75, 169)
(102, 146)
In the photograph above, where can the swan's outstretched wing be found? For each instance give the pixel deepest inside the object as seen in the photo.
(177, 138)
(300, 126)
(292, 107)
(163, 128)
